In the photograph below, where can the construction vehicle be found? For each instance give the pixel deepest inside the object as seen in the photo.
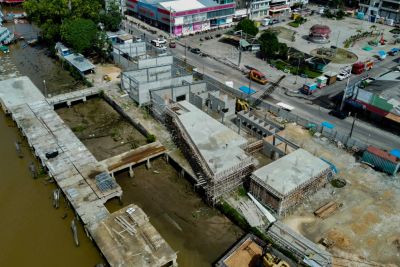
(242, 104)
(257, 76)
(270, 260)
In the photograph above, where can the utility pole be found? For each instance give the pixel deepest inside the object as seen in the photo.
(352, 125)
(240, 47)
(344, 94)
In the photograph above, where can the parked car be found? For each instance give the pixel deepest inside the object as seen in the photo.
(172, 44)
(338, 114)
(195, 50)
(343, 75)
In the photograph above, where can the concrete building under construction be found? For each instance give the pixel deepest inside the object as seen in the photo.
(285, 182)
(216, 153)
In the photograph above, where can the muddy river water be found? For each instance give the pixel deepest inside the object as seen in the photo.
(33, 233)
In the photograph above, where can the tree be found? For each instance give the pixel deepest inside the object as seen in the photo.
(247, 26)
(111, 18)
(49, 15)
(271, 47)
(340, 14)
(79, 34)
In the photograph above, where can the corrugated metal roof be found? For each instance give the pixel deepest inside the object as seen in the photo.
(79, 62)
(382, 154)
(381, 103)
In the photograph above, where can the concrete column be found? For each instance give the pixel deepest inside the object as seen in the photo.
(131, 173)
(148, 164)
(182, 173)
(166, 157)
(69, 104)
(84, 99)
(112, 175)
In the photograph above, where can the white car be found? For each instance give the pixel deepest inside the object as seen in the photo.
(343, 75)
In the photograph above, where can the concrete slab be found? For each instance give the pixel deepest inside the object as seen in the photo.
(219, 146)
(18, 91)
(291, 171)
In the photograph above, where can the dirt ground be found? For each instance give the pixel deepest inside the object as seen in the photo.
(103, 131)
(198, 232)
(368, 223)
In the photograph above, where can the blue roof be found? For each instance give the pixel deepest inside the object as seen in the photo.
(327, 125)
(395, 152)
(381, 52)
(394, 49)
(246, 90)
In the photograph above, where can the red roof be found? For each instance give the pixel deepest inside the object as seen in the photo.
(320, 29)
(382, 154)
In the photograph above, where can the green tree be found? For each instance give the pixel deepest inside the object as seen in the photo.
(111, 18)
(340, 14)
(271, 47)
(49, 15)
(247, 26)
(79, 34)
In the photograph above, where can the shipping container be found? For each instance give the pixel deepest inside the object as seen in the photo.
(381, 160)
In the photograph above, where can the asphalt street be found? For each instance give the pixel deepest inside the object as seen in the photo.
(363, 131)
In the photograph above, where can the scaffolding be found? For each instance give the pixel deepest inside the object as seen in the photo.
(215, 184)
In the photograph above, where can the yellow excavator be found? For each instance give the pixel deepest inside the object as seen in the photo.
(270, 260)
(242, 104)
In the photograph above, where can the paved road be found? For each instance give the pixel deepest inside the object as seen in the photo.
(363, 131)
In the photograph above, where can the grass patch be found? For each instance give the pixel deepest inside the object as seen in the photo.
(294, 24)
(150, 138)
(242, 192)
(283, 66)
(78, 129)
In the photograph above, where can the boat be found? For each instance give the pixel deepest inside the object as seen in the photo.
(32, 42)
(6, 37)
(4, 49)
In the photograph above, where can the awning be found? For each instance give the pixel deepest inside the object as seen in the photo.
(246, 90)
(327, 125)
(395, 152)
(244, 43)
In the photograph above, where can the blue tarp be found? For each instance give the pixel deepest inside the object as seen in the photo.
(333, 167)
(327, 125)
(247, 90)
(382, 53)
(394, 49)
(395, 152)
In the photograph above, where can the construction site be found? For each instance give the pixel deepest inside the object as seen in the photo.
(163, 139)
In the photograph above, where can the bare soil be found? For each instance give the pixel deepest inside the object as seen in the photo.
(367, 225)
(103, 131)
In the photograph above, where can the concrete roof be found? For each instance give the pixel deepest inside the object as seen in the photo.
(287, 173)
(182, 5)
(17, 91)
(218, 145)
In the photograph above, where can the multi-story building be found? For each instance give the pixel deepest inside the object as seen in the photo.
(389, 9)
(279, 7)
(183, 17)
(258, 8)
